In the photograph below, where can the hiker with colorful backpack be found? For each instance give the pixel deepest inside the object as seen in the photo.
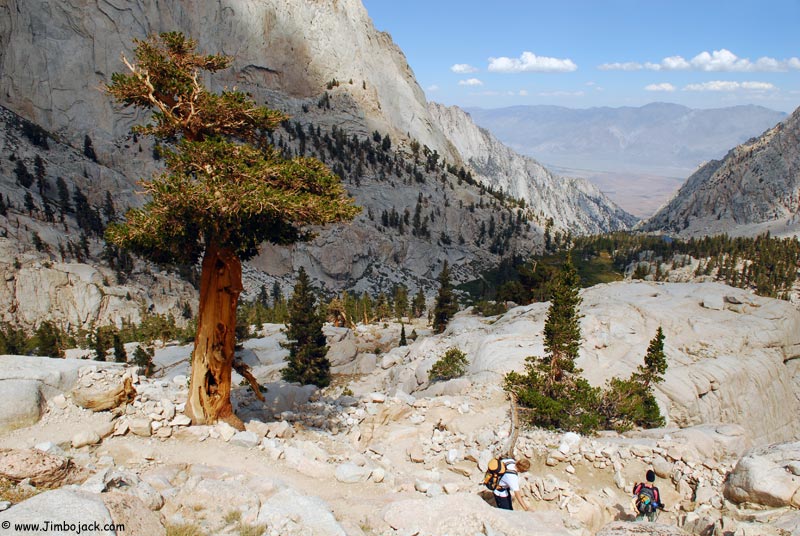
(647, 498)
(502, 477)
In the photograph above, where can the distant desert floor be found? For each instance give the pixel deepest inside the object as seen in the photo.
(640, 194)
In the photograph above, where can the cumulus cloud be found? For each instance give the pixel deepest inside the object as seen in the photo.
(470, 82)
(726, 85)
(665, 86)
(529, 62)
(523, 92)
(627, 66)
(432, 88)
(722, 60)
(463, 68)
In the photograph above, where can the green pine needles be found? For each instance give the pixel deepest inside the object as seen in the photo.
(446, 303)
(554, 394)
(307, 346)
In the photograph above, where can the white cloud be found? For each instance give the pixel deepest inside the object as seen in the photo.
(470, 82)
(432, 88)
(627, 66)
(463, 68)
(725, 85)
(523, 92)
(722, 60)
(758, 86)
(665, 86)
(529, 62)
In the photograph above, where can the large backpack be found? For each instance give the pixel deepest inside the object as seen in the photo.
(494, 472)
(646, 500)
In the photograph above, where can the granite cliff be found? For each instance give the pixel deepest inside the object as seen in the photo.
(323, 63)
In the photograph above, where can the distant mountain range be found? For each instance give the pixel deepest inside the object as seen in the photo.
(754, 189)
(638, 156)
(655, 138)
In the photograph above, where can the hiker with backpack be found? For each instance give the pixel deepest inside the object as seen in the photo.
(502, 477)
(647, 498)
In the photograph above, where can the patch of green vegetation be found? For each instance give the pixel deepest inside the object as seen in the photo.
(451, 365)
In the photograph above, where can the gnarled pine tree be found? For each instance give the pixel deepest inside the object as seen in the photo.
(224, 192)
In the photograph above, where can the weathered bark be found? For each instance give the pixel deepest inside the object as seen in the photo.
(511, 445)
(212, 359)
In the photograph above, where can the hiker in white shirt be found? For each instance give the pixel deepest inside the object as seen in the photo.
(508, 487)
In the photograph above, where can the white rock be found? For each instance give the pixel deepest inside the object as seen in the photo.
(378, 398)
(50, 448)
(141, 427)
(452, 456)
(181, 380)
(180, 420)
(225, 431)
(421, 486)
(168, 409)
(245, 439)
(86, 437)
(350, 473)
(378, 474)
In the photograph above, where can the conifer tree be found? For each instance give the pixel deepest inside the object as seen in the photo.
(418, 303)
(552, 386)
(100, 345)
(446, 304)
(655, 362)
(562, 330)
(143, 358)
(308, 363)
(403, 341)
(120, 355)
(224, 192)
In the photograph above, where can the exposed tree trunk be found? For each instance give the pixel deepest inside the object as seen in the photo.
(212, 360)
(511, 445)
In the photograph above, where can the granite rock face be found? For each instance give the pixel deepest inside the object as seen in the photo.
(755, 188)
(736, 366)
(54, 57)
(289, 55)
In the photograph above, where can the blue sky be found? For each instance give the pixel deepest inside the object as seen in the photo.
(583, 53)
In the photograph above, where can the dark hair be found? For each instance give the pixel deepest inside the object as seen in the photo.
(651, 476)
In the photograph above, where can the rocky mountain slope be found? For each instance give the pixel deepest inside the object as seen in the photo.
(402, 455)
(575, 204)
(657, 138)
(755, 188)
(54, 59)
(55, 265)
(339, 79)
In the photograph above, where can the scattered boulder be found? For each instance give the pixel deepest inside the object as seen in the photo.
(85, 437)
(350, 473)
(762, 476)
(133, 514)
(245, 439)
(106, 392)
(289, 512)
(42, 469)
(73, 507)
(22, 404)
